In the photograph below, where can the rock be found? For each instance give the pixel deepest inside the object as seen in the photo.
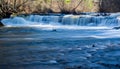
(1, 24)
(54, 30)
(116, 28)
(93, 45)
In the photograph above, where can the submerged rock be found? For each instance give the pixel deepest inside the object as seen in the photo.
(54, 30)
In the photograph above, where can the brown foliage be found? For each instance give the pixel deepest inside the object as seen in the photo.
(69, 7)
(7, 7)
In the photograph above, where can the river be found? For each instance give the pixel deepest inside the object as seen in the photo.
(29, 45)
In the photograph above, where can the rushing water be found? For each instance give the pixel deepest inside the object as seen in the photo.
(77, 20)
(60, 42)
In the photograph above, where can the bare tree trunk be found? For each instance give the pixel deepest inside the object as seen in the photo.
(73, 10)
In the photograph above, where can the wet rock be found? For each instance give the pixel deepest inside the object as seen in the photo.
(116, 28)
(93, 45)
(1, 24)
(54, 30)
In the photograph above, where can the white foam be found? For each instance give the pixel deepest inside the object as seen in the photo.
(65, 22)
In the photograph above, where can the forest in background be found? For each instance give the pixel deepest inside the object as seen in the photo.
(8, 7)
(16, 7)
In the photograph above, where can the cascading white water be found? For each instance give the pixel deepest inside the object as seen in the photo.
(15, 21)
(77, 20)
(44, 19)
(87, 20)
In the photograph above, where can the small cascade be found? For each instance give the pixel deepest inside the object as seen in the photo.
(110, 22)
(15, 21)
(34, 18)
(90, 20)
(74, 20)
(43, 19)
(70, 20)
(84, 21)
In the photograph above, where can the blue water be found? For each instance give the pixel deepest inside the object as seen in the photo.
(60, 42)
(41, 48)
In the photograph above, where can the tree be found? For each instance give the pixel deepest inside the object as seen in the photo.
(68, 6)
(43, 6)
(7, 7)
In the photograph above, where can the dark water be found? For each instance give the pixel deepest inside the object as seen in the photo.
(33, 48)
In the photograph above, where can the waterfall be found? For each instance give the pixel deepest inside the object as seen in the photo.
(87, 20)
(43, 19)
(15, 21)
(70, 20)
(77, 20)
(84, 21)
